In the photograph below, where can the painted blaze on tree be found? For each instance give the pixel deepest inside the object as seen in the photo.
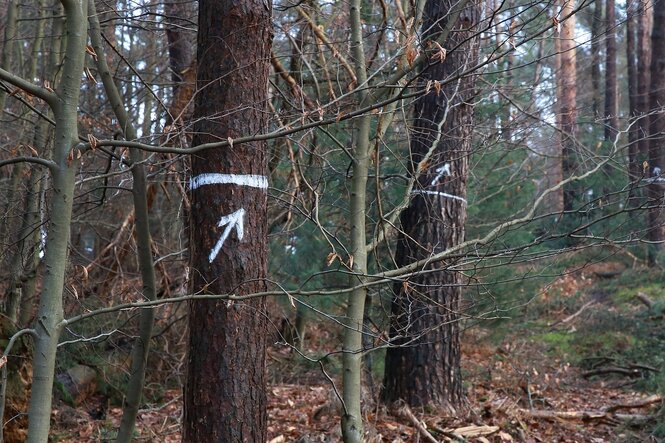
(225, 397)
(423, 363)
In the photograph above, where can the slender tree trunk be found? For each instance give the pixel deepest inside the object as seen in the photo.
(10, 28)
(568, 100)
(644, 25)
(423, 363)
(143, 240)
(352, 423)
(49, 319)
(225, 398)
(611, 108)
(656, 230)
(631, 65)
(596, 22)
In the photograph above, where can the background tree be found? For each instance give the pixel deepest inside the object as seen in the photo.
(423, 361)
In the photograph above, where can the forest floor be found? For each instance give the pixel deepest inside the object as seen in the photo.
(570, 376)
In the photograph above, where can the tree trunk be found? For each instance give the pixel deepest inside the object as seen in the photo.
(49, 324)
(644, 26)
(595, 54)
(141, 346)
(225, 398)
(423, 363)
(568, 100)
(352, 421)
(180, 53)
(611, 117)
(656, 230)
(10, 28)
(631, 64)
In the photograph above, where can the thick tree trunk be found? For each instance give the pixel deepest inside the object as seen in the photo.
(225, 398)
(656, 230)
(611, 117)
(423, 363)
(180, 45)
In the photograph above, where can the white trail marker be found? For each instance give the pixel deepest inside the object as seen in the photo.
(253, 181)
(443, 170)
(233, 220)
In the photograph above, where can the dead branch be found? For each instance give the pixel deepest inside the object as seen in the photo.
(405, 412)
(601, 416)
(638, 404)
(641, 296)
(573, 316)
(459, 434)
(613, 370)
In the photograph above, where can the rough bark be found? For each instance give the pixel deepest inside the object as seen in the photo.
(656, 230)
(423, 363)
(611, 117)
(179, 42)
(225, 398)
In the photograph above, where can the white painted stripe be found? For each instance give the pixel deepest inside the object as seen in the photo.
(253, 181)
(441, 194)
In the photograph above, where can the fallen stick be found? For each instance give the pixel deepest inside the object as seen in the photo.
(638, 404)
(612, 370)
(405, 411)
(467, 431)
(573, 316)
(603, 416)
(641, 296)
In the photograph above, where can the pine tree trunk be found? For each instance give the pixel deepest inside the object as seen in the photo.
(644, 26)
(225, 392)
(595, 54)
(656, 230)
(634, 167)
(423, 363)
(612, 119)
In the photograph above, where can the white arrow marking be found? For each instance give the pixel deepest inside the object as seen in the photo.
(445, 169)
(233, 220)
(253, 181)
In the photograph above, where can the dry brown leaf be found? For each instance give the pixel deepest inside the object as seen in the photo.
(90, 50)
(89, 75)
(331, 258)
(93, 141)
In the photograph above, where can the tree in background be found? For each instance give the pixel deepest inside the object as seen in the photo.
(567, 95)
(611, 105)
(656, 230)
(423, 360)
